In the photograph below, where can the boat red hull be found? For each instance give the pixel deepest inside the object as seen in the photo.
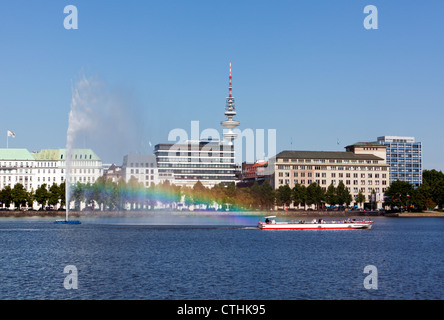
(313, 226)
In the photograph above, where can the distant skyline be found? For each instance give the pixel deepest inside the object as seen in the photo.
(308, 69)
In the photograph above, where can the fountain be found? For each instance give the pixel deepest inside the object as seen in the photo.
(98, 114)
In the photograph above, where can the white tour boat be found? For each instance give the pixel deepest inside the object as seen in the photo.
(271, 224)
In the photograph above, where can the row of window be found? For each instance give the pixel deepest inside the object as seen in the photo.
(210, 160)
(207, 153)
(142, 165)
(329, 161)
(339, 168)
(194, 171)
(136, 171)
(355, 189)
(220, 178)
(332, 175)
(333, 182)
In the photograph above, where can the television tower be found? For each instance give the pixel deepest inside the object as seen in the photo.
(230, 112)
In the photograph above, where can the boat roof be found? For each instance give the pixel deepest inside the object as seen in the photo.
(270, 217)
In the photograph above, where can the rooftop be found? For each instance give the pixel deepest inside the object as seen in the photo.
(60, 154)
(366, 144)
(325, 155)
(15, 154)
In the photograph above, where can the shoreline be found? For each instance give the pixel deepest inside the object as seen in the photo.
(278, 213)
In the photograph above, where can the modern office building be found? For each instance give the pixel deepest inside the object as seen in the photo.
(209, 161)
(361, 168)
(404, 155)
(142, 168)
(206, 161)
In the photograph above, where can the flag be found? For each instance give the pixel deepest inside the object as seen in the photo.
(338, 141)
(150, 143)
(11, 134)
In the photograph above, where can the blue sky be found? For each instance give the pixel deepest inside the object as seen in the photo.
(308, 69)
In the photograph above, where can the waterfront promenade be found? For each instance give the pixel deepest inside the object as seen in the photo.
(278, 213)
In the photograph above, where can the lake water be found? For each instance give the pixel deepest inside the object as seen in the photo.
(218, 258)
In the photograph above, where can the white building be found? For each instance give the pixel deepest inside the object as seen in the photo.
(47, 167)
(50, 166)
(17, 166)
(141, 167)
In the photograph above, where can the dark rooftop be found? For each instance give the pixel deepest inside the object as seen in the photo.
(287, 154)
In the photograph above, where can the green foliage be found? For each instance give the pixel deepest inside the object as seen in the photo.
(284, 195)
(6, 196)
(111, 195)
(315, 195)
(19, 195)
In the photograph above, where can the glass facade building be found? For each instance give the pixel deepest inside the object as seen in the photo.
(184, 164)
(404, 155)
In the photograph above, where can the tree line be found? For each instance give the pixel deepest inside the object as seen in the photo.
(109, 195)
(427, 196)
(44, 195)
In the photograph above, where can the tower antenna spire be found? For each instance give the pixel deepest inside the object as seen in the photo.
(230, 113)
(230, 86)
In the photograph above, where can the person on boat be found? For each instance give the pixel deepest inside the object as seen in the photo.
(267, 221)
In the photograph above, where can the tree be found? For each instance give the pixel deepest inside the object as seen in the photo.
(284, 195)
(315, 195)
(54, 195)
(438, 193)
(230, 193)
(432, 176)
(200, 194)
(360, 198)
(331, 196)
(398, 193)
(6, 196)
(244, 198)
(41, 195)
(62, 188)
(300, 195)
(343, 196)
(77, 194)
(217, 194)
(19, 195)
(267, 195)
